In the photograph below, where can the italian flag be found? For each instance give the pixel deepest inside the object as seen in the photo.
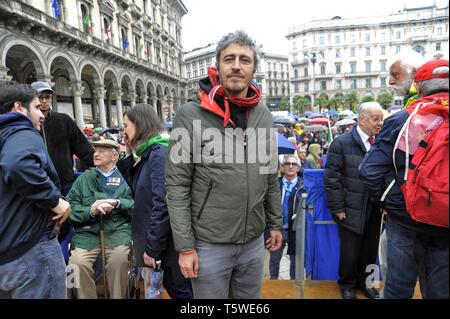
(88, 22)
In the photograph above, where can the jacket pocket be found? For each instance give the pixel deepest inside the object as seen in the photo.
(210, 186)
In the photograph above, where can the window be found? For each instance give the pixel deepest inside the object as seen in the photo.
(294, 59)
(202, 71)
(322, 69)
(305, 71)
(367, 51)
(295, 88)
(304, 43)
(322, 40)
(295, 73)
(322, 54)
(368, 83)
(323, 85)
(368, 66)
(383, 66)
(107, 32)
(306, 86)
(195, 73)
(294, 45)
(352, 38)
(86, 18)
(58, 10)
(419, 49)
(188, 74)
(124, 38)
(353, 67)
(397, 49)
(438, 46)
(338, 85)
(367, 37)
(352, 52)
(338, 68)
(338, 53)
(383, 36)
(398, 35)
(337, 39)
(383, 50)
(137, 48)
(383, 82)
(439, 31)
(353, 84)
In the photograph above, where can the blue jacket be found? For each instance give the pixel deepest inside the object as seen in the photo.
(29, 186)
(150, 224)
(377, 171)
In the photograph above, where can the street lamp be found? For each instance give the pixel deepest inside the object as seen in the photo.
(313, 61)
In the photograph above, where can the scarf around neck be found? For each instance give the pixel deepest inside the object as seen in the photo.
(208, 102)
(157, 139)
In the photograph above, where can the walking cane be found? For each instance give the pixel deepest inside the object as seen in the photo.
(102, 252)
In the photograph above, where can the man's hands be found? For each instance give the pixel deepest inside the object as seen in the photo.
(341, 215)
(149, 261)
(103, 206)
(274, 241)
(189, 264)
(62, 210)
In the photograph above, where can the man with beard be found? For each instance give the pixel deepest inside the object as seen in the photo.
(219, 204)
(31, 261)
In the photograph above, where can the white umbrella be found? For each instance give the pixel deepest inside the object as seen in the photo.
(345, 122)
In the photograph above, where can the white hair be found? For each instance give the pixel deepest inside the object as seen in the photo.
(409, 60)
(368, 105)
(297, 160)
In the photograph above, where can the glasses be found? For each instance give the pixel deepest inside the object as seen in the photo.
(291, 164)
(45, 97)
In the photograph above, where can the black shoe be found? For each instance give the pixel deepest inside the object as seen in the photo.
(370, 293)
(348, 293)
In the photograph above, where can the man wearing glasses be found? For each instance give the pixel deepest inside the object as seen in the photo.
(62, 137)
(291, 186)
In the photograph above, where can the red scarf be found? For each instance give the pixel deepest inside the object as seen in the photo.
(436, 104)
(208, 102)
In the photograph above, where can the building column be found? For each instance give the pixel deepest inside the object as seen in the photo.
(119, 106)
(77, 89)
(155, 103)
(132, 99)
(100, 91)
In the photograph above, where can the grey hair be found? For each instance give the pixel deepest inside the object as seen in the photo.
(239, 37)
(434, 85)
(362, 109)
(297, 160)
(409, 60)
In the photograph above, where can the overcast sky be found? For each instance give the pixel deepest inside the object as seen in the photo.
(268, 21)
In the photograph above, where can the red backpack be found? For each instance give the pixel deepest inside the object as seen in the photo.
(426, 179)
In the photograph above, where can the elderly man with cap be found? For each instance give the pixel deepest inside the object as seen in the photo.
(101, 192)
(411, 244)
(62, 137)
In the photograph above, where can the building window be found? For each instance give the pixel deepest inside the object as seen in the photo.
(367, 51)
(397, 49)
(189, 74)
(352, 52)
(137, 46)
(322, 54)
(107, 32)
(368, 66)
(322, 69)
(195, 73)
(368, 83)
(419, 49)
(294, 45)
(305, 71)
(338, 53)
(86, 18)
(323, 85)
(338, 85)
(353, 67)
(337, 39)
(304, 43)
(124, 39)
(353, 84)
(439, 31)
(295, 73)
(383, 51)
(383, 82)
(383, 66)
(438, 46)
(367, 37)
(58, 10)
(398, 35)
(306, 87)
(352, 38)
(383, 36)
(338, 68)
(322, 40)
(202, 71)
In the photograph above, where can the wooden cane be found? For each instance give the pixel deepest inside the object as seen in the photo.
(103, 255)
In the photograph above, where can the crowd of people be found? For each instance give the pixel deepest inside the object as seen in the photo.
(145, 199)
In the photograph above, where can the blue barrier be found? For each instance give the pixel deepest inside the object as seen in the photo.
(322, 243)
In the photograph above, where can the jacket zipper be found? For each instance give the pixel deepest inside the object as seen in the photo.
(246, 182)
(210, 186)
(429, 197)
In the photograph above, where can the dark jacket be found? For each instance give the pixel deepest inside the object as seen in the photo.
(377, 172)
(63, 139)
(150, 226)
(294, 203)
(345, 191)
(29, 186)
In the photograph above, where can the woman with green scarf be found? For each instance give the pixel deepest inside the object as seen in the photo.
(314, 155)
(143, 170)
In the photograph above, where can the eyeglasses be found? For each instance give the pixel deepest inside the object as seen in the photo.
(45, 97)
(290, 164)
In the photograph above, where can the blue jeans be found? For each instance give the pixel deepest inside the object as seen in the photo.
(406, 250)
(275, 259)
(40, 273)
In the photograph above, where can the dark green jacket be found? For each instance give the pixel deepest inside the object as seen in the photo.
(221, 202)
(84, 192)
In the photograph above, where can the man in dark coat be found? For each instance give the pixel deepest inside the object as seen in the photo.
(357, 216)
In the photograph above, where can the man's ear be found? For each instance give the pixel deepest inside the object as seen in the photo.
(18, 107)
